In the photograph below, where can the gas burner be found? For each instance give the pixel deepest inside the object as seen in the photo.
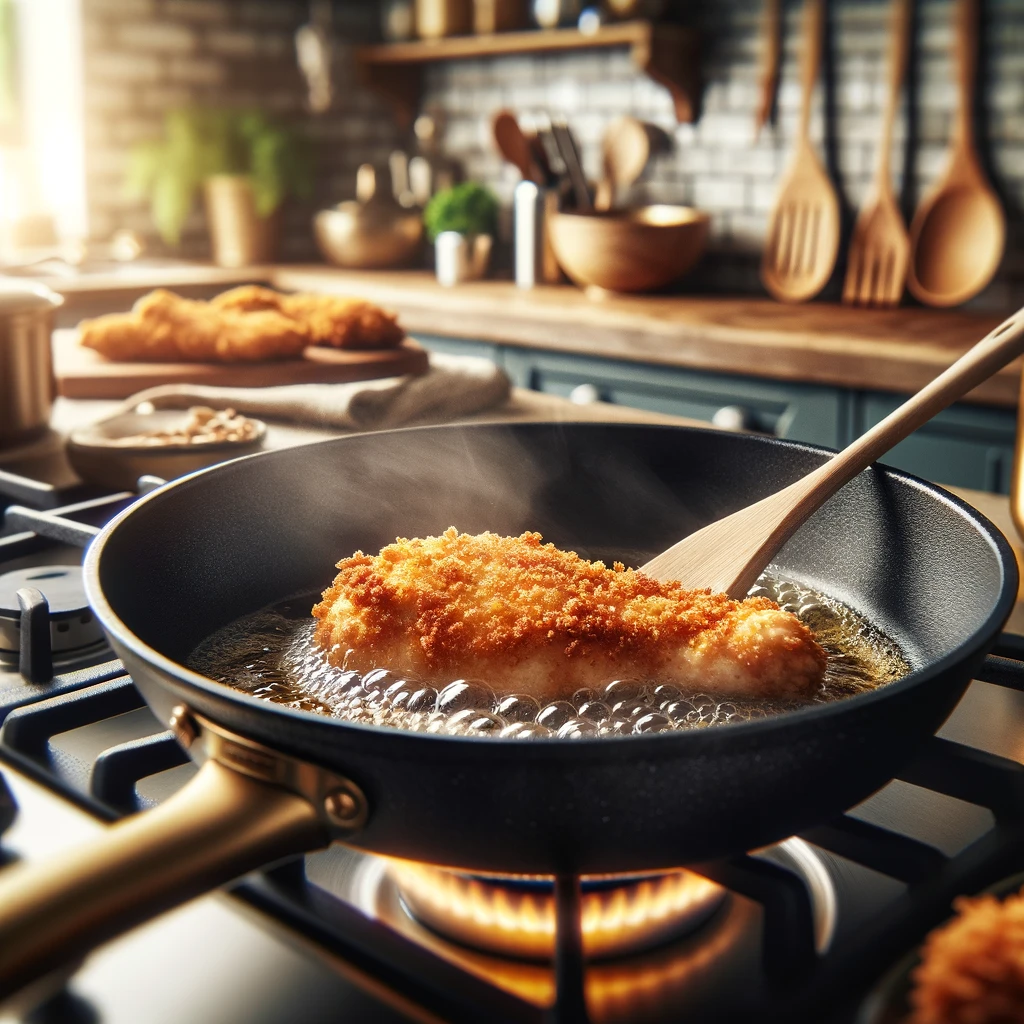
(72, 623)
(515, 917)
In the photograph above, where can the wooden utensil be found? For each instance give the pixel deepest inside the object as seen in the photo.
(771, 56)
(729, 555)
(803, 234)
(515, 147)
(876, 270)
(959, 229)
(625, 150)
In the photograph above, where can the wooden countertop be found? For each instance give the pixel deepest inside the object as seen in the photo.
(897, 350)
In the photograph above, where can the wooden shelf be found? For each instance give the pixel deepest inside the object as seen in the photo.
(665, 53)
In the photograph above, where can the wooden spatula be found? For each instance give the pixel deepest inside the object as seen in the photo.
(803, 234)
(876, 270)
(729, 555)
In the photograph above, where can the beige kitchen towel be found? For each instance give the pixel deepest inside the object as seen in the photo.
(453, 386)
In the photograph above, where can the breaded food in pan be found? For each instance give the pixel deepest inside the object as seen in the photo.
(528, 617)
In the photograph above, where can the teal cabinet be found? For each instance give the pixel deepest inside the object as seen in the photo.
(967, 445)
(799, 411)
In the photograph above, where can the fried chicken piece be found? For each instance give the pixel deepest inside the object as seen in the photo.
(530, 618)
(328, 319)
(972, 969)
(164, 327)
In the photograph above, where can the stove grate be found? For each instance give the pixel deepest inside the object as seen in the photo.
(805, 977)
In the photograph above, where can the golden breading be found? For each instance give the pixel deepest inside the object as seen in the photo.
(327, 319)
(972, 969)
(164, 327)
(530, 618)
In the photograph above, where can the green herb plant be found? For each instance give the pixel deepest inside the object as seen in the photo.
(199, 143)
(469, 208)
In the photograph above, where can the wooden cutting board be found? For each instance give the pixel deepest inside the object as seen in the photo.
(83, 373)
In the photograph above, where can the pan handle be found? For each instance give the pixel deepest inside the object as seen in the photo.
(219, 826)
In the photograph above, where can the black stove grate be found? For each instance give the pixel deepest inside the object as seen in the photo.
(43, 723)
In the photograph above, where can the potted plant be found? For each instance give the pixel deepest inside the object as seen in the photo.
(461, 222)
(246, 166)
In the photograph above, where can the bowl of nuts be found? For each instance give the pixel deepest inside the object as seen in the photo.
(167, 443)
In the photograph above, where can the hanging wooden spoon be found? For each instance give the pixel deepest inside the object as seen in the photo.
(959, 230)
(803, 234)
(876, 270)
(729, 555)
(625, 150)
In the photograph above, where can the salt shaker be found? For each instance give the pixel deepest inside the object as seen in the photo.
(535, 261)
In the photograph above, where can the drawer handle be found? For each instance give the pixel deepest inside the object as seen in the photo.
(585, 394)
(737, 417)
(732, 417)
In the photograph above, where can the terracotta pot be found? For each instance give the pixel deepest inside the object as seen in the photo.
(240, 238)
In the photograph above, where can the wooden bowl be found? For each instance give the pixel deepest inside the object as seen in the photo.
(629, 250)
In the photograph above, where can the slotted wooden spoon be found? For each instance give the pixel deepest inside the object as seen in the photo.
(803, 234)
(729, 555)
(876, 270)
(959, 230)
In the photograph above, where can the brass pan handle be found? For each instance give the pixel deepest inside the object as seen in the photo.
(221, 825)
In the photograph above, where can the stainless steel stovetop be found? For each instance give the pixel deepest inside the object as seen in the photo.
(806, 928)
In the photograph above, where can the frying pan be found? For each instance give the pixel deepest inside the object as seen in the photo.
(197, 554)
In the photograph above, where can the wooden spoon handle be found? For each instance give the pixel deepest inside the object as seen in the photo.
(813, 30)
(990, 354)
(965, 45)
(898, 52)
(771, 56)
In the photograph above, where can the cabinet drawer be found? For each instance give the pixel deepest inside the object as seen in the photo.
(966, 445)
(798, 411)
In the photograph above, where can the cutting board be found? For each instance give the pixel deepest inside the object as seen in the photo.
(83, 373)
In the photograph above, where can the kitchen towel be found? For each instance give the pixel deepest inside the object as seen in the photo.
(453, 386)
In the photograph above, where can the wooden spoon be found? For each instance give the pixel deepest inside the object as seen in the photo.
(876, 270)
(803, 235)
(959, 230)
(728, 556)
(515, 147)
(625, 150)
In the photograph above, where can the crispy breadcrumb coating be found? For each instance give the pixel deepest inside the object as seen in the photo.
(327, 319)
(972, 969)
(531, 618)
(164, 327)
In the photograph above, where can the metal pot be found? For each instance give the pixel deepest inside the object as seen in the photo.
(27, 385)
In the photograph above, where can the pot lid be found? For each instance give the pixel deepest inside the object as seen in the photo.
(26, 297)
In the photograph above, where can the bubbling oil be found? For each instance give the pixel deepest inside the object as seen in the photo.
(272, 655)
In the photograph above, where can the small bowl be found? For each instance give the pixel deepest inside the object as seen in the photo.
(97, 459)
(629, 250)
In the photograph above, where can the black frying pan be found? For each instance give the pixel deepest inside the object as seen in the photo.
(199, 553)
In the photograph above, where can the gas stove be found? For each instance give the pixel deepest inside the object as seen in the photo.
(800, 930)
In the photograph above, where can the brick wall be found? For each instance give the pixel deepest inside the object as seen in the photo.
(143, 57)
(716, 163)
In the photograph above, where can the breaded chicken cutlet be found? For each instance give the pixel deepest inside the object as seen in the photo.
(527, 617)
(972, 968)
(327, 319)
(164, 327)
